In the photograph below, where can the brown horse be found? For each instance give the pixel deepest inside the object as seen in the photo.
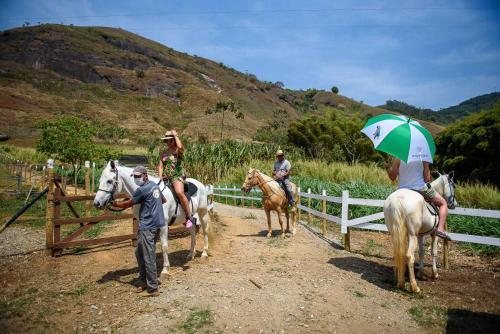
(273, 198)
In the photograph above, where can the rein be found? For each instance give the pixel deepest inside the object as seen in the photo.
(109, 206)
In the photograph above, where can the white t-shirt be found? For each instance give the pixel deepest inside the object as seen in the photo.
(411, 176)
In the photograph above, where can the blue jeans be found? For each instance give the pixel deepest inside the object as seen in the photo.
(287, 186)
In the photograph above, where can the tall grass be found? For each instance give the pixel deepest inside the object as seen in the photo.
(24, 154)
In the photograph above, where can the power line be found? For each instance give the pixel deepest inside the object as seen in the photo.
(270, 11)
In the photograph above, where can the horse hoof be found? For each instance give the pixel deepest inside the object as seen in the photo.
(282, 235)
(190, 257)
(204, 254)
(435, 276)
(415, 289)
(165, 275)
(268, 235)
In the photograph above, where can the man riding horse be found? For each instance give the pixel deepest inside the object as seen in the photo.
(281, 173)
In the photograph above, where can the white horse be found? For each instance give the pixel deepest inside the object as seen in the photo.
(116, 179)
(408, 219)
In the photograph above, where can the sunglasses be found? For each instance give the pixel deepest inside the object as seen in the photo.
(169, 140)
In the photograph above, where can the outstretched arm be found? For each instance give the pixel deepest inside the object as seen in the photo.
(124, 204)
(178, 143)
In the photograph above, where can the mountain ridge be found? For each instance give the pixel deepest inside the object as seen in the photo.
(120, 79)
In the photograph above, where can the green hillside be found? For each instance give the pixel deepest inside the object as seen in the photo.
(446, 115)
(136, 88)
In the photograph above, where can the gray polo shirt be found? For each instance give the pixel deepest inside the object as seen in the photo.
(151, 212)
(282, 167)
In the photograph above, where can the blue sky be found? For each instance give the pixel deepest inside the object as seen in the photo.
(430, 54)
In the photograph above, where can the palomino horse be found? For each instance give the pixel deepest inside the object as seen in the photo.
(273, 198)
(408, 219)
(117, 179)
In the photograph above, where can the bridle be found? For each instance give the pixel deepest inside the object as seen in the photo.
(112, 192)
(451, 199)
(261, 183)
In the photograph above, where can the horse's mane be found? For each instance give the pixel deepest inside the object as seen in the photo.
(270, 181)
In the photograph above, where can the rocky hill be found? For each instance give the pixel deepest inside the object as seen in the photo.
(121, 80)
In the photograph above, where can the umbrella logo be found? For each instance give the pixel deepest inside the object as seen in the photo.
(376, 134)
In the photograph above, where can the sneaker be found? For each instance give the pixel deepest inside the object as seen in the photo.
(154, 293)
(140, 288)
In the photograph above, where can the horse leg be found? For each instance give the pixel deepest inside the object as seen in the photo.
(287, 215)
(434, 255)
(269, 230)
(410, 258)
(278, 211)
(420, 273)
(204, 226)
(164, 248)
(191, 253)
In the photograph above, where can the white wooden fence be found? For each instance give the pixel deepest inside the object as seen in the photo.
(365, 222)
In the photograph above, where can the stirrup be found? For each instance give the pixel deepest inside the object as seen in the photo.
(443, 235)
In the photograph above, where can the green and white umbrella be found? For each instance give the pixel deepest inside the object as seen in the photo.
(401, 137)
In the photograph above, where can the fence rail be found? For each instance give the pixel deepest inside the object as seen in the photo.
(366, 222)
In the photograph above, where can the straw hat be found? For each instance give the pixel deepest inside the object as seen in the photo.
(279, 152)
(168, 135)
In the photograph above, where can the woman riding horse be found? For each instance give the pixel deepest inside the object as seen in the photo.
(170, 170)
(417, 176)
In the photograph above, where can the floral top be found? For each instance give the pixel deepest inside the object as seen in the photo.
(172, 164)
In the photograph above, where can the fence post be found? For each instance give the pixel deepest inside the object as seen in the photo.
(57, 215)
(446, 263)
(49, 214)
(324, 211)
(309, 216)
(76, 179)
(225, 193)
(93, 177)
(63, 179)
(135, 229)
(345, 219)
(235, 201)
(87, 187)
(299, 212)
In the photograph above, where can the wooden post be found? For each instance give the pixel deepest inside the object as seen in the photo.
(87, 187)
(324, 211)
(446, 263)
(309, 216)
(345, 219)
(49, 215)
(76, 179)
(135, 229)
(93, 177)
(225, 193)
(299, 212)
(57, 215)
(63, 179)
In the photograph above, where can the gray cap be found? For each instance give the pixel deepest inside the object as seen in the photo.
(139, 170)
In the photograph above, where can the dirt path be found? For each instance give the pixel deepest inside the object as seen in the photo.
(249, 284)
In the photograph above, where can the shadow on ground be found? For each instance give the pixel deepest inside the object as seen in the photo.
(463, 321)
(373, 272)
(177, 259)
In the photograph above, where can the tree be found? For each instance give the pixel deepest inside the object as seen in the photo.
(70, 139)
(334, 137)
(335, 90)
(470, 147)
(223, 107)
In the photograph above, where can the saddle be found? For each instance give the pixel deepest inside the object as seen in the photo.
(190, 189)
(434, 211)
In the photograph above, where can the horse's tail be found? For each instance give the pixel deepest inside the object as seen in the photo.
(396, 219)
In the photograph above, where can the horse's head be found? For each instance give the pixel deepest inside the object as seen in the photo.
(108, 185)
(250, 180)
(449, 189)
